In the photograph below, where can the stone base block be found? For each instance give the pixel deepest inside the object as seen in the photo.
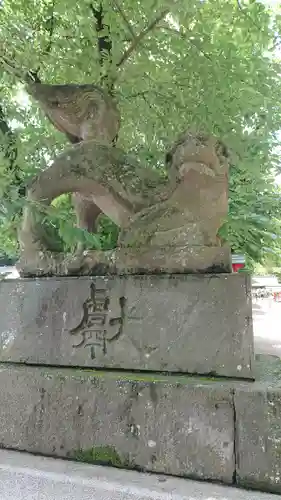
(184, 426)
(120, 261)
(168, 425)
(165, 259)
(179, 323)
(258, 429)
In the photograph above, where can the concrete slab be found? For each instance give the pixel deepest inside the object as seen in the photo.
(267, 326)
(266, 281)
(258, 428)
(178, 425)
(179, 323)
(172, 425)
(26, 477)
(8, 272)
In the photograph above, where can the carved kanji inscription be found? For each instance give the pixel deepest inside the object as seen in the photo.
(97, 328)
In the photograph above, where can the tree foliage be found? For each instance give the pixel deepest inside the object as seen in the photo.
(207, 64)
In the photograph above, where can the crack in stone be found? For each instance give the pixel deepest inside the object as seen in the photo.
(235, 439)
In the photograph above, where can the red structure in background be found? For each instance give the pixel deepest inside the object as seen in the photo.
(277, 296)
(238, 262)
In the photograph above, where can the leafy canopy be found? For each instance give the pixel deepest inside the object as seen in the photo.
(208, 65)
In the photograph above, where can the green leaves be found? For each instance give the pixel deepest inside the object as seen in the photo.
(207, 65)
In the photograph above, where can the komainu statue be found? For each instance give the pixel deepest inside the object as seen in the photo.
(168, 223)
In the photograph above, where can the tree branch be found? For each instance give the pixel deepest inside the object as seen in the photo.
(50, 22)
(246, 14)
(140, 36)
(104, 41)
(25, 76)
(30, 76)
(10, 67)
(124, 17)
(11, 153)
(182, 35)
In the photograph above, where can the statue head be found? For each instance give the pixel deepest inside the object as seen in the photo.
(80, 111)
(200, 149)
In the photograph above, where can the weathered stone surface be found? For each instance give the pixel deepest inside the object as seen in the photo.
(258, 429)
(196, 324)
(184, 208)
(177, 426)
(142, 260)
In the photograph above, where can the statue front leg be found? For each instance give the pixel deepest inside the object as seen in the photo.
(87, 214)
(85, 170)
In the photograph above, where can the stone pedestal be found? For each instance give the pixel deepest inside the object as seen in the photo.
(152, 423)
(205, 428)
(202, 428)
(179, 323)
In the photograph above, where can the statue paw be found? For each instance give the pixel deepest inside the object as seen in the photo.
(39, 264)
(35, 263)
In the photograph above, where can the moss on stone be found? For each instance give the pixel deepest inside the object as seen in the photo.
(100, 455)
(83, 374)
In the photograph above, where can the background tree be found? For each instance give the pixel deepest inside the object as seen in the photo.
(208, 65)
